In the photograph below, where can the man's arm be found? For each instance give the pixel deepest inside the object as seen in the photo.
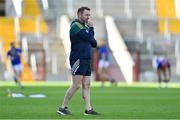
(19, 51)
(88, 36)
(8, 54)
(93, 42)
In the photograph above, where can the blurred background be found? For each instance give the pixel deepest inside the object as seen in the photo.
(135, 31)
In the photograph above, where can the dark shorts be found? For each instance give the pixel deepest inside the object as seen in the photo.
(80, 67)
(161, 67)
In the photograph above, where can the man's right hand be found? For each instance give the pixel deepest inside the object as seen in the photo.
(90, 23)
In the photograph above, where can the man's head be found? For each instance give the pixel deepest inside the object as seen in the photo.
(12, 44)
(83, 14)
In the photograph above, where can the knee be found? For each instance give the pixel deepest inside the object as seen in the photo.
(76, 86)
(86, 86)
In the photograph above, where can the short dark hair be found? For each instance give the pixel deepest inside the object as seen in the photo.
(12, 43)
(81, 9)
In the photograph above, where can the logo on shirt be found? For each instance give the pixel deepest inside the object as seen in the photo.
(87, 31)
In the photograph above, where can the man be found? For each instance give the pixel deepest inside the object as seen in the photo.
(14, 55)
(163, 70)
(103, 65)
(82, 41)
(103, 57)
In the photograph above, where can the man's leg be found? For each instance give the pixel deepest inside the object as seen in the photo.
(101, 72)
(77, 81)
(103, 77)
(86, 96)
(100, 76)
(86, 91)
(169, 73)
(159, 77)
(166, 76)
(17, 78)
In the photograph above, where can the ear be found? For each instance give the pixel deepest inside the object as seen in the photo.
(77, 14)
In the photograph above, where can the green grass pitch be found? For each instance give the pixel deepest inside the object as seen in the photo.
(137, 101)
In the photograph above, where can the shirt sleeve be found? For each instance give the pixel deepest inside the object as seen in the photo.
(88, 36)
(84, 34)
(19, 50)
(8, 54)
(75, 28)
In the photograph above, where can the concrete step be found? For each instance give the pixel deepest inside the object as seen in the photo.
(116, 8)
(2, 70)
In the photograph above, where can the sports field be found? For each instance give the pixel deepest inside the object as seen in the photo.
(137, 101)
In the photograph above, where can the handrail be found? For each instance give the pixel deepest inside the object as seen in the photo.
(119, 50)
(64, 35)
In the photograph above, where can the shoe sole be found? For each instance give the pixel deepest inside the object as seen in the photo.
(61, 113)
(90, 114)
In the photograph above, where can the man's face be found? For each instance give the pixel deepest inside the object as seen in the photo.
(84, 17)
(12, 45)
